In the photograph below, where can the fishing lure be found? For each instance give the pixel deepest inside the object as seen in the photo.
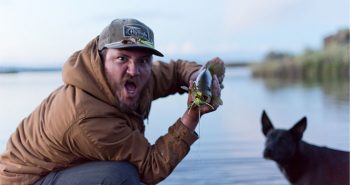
(201, 90)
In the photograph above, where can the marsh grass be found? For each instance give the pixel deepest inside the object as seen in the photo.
(328, 64)
(327, 68)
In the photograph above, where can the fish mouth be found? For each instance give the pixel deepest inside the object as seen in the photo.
(206, 98)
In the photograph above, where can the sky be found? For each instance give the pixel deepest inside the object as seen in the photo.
(46, 33)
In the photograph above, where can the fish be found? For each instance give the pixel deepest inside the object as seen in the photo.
(201, 90)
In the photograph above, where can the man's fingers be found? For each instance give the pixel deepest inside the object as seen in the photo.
(216, 93)
(216, 88)
(190, 84)
(190, 99)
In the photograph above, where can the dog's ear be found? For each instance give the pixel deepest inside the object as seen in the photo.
(266, 123)
(299, 128)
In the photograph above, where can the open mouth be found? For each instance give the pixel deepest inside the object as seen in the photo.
(131, 87)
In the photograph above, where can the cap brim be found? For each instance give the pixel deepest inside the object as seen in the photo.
(118, 46)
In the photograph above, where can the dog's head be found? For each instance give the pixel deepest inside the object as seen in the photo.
(281, 144)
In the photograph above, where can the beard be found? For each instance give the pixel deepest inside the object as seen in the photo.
(124, 103)
(128, 108)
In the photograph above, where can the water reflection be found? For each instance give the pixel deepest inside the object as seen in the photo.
(337, 90)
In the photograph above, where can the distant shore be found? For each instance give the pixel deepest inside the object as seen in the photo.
(238, 64)
(332, 62)
(7, 70)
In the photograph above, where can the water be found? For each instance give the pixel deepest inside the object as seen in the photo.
(229, 150)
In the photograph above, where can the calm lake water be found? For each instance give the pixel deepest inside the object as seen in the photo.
(229, 150)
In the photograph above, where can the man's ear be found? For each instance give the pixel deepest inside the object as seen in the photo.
(299, 128)
(266, 123)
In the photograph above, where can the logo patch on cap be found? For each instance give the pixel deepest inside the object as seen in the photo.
(136, 31)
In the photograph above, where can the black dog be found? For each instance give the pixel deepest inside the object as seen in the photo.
(303, 163)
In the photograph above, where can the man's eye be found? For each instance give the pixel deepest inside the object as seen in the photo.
(121, 59)
(144, 61)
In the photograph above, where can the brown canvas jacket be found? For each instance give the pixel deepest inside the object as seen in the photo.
(80, 122)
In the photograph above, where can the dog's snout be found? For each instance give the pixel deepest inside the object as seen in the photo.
(267, 153)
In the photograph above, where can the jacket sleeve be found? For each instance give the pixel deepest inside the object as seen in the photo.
(113, 139)
(169, 77)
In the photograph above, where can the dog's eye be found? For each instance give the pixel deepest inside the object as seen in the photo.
(272, 134)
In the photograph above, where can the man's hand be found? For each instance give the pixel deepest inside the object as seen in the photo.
(216, 66)
(192, 116)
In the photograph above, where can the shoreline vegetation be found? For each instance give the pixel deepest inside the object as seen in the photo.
(327, 68)
(332, 62)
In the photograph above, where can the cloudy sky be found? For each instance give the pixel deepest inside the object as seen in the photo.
(39, 32)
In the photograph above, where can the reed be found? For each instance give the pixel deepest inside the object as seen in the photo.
(327, 64)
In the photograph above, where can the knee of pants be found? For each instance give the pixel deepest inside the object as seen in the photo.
(118, 172)
(97, 172)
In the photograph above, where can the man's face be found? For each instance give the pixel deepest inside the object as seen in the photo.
(127, 72)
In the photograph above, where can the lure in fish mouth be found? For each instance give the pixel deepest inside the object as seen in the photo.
(201, 90)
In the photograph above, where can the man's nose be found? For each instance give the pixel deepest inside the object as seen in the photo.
(133, 69)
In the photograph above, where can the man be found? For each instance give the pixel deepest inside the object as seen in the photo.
(91, 130)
